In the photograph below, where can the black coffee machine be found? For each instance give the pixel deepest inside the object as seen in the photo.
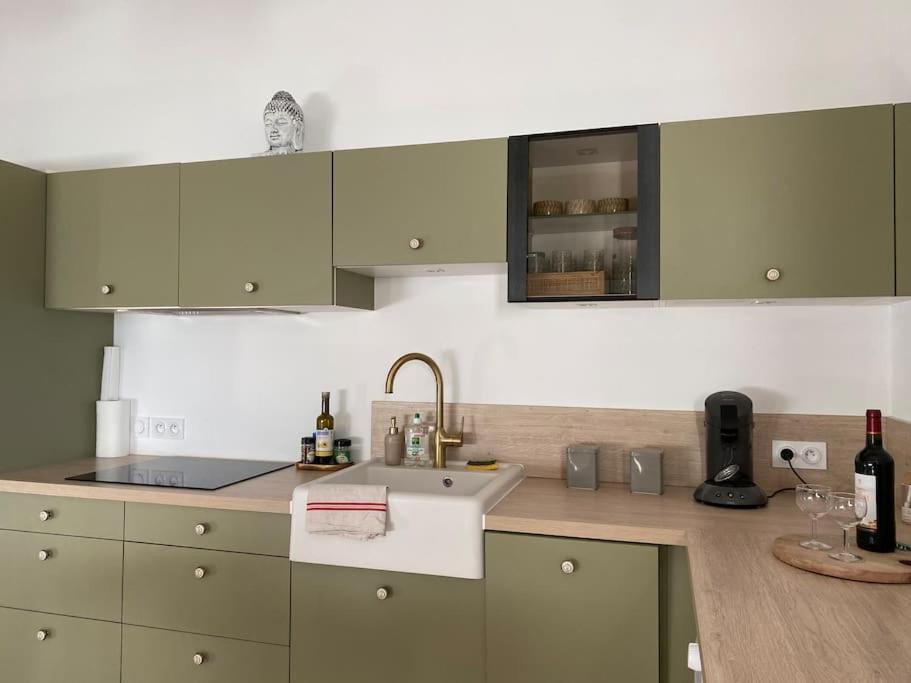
(729, 453)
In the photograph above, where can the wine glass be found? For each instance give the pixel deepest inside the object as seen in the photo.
(814, 500)
(847, 511)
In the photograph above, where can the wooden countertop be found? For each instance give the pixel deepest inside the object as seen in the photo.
(759, 619)
(267, 493)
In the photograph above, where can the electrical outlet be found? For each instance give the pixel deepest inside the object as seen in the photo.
(141, 426)
(167, 428)
(808, 455)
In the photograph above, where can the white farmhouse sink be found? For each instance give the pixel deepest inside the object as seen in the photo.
(435, 523)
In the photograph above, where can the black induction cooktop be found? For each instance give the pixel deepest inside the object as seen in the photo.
(181, 472)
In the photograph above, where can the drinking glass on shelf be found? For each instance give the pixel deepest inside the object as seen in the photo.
(593, 260)
(814, 499)
(848, 509)
(562, 261)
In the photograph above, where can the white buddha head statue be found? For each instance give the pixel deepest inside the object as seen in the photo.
(284, 124)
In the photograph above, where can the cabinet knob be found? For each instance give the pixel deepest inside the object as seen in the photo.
(199, 658)
(45, 515)
(416, 243)
(382, 593)
(107, 289)
(44, 554)
(42, 635)
(250, 287)
(200, 529)
(772, 274)
(199, 572)
(568, 567)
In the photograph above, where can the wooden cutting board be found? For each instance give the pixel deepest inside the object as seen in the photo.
(875, 567)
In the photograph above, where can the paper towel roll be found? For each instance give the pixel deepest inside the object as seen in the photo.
(112, 429)
(110, 374)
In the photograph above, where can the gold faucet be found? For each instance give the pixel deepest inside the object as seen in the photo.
(441, 440)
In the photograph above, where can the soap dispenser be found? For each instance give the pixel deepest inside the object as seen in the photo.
(395, 445)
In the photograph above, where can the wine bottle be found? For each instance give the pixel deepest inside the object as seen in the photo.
(874, 478)
(325, 434)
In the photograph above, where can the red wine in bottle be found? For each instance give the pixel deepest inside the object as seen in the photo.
(874, 478)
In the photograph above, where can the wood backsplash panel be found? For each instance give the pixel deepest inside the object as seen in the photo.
(537, 437)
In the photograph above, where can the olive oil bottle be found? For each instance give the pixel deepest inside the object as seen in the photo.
(325, 434)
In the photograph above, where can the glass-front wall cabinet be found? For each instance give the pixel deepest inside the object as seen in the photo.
(583, 215)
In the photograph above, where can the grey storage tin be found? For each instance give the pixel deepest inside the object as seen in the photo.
(646, 471)
(582, 466)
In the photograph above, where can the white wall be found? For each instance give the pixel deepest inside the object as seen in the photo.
(89, 83)
(249, 386)
(105, 82)
(901, 361)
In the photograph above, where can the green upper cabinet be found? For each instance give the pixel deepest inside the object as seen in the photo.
(421, 204)
(776, 206)
(903, 198)
(257, 232)
(112, 238)
(562, 609)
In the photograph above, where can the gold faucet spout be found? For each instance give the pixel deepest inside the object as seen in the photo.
(441, 440)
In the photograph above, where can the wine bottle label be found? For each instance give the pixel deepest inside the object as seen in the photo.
(865, 485)
(324, 441)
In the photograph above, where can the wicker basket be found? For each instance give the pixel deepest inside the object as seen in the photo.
(585, 283)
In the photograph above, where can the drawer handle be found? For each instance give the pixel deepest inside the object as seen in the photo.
(43, 634)
(45, 515)
(568, 567)
(415, 243)
(773, 275)
(199, 658)
(44, 554)
(200, 529)
(383, 592)
(107, 289)
(199, 573)
(250, 287)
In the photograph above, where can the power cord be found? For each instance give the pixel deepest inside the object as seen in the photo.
(787, 455)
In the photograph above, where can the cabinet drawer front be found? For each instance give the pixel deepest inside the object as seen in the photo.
(154, 655)
(239, 595)
(261, 533)
(809, 194)
(72, 650)
(266, 221)
(78, 576)
(451, 196)
(65, 516)
(545, 625)
(116, 227)
(428, 628)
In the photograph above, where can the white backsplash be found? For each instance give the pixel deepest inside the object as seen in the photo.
(250, 386)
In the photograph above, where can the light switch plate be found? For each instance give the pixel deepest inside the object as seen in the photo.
(808, 455)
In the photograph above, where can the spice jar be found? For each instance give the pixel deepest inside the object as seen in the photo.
(308, 450)
(342, 451)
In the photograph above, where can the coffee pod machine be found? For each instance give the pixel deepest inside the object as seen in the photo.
(729, 453)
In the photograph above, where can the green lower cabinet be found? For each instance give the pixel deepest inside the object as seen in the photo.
(64, 516)
(426, 628)
(233, 595)
(154, 655)
(80, 577)
(571, 610)
(678, 615)
(48, 648)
